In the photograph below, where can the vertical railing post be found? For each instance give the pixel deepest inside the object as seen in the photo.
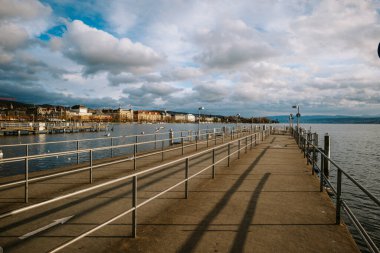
(251, 139)
(299, 136)
(222, 137)
(171, 137)
(136, 141)
(77, 151)
(207, 136)
(308, 148)
(229, 155)
(327, 153)
(214, 137)
(187, 177)
(315, 145)
(338, 196)
(246, 144)
(134, 205)
(91, 175)
(238, 149)
(111, 147)
(213, 163)
(155, 141)
(162, 150)
(322, 173)
(134, 156)
(26, 193)
(304, 145)
(182, 143)
(196, 142)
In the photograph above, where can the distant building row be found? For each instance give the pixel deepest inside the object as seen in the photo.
(81, 113)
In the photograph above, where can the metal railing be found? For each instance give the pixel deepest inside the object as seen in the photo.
(250, 140)
(308, 143)
(202, 139)
(112, 139)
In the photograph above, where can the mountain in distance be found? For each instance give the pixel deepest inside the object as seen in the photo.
(329, 119)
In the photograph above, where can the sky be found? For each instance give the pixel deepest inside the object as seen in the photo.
(253, 57)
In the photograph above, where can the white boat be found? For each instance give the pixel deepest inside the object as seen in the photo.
(1, 154)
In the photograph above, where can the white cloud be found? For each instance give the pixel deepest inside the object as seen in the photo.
(17, 10)
(227, 56)
(232, 44)
(12, 36)
(100, 51)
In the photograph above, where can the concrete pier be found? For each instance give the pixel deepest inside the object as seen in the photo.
(266, 201)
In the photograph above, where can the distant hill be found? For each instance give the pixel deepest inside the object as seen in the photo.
(15, 104)
(327, 119)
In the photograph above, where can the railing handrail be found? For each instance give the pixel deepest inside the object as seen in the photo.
(99, 138)
(369, 194)
(85, 150)
(340, 202)
(20, 210)
(136, 206)
(18, 159)
(134, 157)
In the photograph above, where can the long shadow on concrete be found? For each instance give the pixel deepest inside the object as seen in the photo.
(196, 236)
(243, 229)
(88, 209)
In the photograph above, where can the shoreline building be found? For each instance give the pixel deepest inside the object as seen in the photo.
(190, 118)
(146, 116)
(78, 112)
(120, 115)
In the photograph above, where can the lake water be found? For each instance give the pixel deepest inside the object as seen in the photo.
(356, 148)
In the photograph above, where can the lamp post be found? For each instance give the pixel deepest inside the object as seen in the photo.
(298, 115)
(237, 120)
(199, 118)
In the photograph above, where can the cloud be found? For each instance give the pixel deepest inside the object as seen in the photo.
(211, 92)
(245, 57)
(28, 10)
(98, 51)
(172, 75)
(230, 45)
(12, 37)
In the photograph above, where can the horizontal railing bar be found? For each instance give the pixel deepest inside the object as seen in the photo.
(100, 138)
(94, 166)
(92, 230)
(71, 152)
(113, 181)
(371, 245)
(363, 233)
(369, 194)
(129, 210)
(134, 208)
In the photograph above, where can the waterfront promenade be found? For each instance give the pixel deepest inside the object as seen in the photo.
(266, 201)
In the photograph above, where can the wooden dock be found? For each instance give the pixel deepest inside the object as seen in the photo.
(266, 201)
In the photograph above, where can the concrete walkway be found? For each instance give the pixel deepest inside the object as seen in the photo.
(267, 201)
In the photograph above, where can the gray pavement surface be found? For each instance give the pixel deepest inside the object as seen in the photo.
(266, 201)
